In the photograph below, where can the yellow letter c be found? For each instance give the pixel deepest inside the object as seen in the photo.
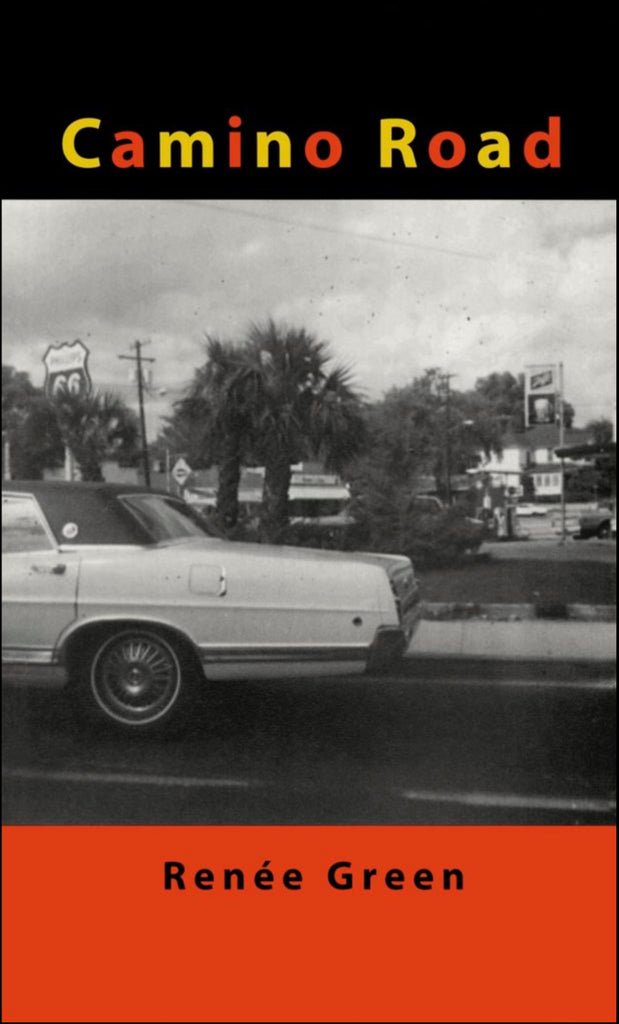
(68, 142)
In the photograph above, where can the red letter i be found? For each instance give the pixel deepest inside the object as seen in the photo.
(235, 142)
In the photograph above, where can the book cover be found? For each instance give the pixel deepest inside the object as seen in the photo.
(434, 842)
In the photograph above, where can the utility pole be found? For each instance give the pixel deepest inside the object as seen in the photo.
(561, 444)
(445, 378)
(139, 359)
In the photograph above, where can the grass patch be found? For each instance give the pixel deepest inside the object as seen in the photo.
(528, 581)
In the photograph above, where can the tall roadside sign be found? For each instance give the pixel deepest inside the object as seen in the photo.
(541, 388)
(66, 371)
(66, 374)
(543, 403)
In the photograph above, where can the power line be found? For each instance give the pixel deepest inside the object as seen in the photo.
(523, 259)
(361, 236)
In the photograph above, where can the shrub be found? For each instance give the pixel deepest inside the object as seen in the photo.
(429, 540)
(439, 540)
(342, 537)
(388, 520)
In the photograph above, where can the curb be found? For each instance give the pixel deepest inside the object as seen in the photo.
(449, 611)
(515, 642)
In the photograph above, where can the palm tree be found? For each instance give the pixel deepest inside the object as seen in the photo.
(298, 407)
(216, 407)
(29, 426)
(95, 426)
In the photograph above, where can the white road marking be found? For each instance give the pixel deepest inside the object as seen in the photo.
(540, 684)
(468, 799)
(125, 778)
(550, 803)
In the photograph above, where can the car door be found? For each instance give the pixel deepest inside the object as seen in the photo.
(39, 584)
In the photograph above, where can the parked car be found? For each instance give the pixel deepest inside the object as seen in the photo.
(529, 508)
(125, 594)
(598, 522)
(426, 504)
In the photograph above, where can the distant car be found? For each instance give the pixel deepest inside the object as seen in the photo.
(598, 522)
(525, 508)
(426, 504)
(125, 594)
(429, 505)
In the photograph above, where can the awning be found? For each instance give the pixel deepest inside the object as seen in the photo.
(300, 492)
(253, 495)
(590, 450)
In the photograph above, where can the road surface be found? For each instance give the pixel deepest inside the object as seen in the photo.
(447, 747)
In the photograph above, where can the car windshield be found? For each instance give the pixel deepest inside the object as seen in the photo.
(166, 518)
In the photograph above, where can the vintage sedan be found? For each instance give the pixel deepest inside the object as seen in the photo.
(598, 522)
(124, 593)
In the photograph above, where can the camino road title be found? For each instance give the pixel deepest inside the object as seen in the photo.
(398, 143)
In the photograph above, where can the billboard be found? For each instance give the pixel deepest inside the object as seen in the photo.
(541, 394)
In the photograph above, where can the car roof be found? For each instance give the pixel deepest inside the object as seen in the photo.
(75, 486)
(93, 507)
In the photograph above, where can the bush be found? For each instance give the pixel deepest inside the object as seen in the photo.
(344, 537)
(429, 540)
(389, 521)
(442, 539)
(303, 534)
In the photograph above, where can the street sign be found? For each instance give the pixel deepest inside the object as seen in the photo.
(66, 371)
(181, 471)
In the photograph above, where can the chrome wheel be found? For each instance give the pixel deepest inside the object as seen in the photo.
(136, 677)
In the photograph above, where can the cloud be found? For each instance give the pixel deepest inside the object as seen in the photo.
(393, 286)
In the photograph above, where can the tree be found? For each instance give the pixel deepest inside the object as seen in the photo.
(29, 426)
(299, 406)
(601, 430)
(213, 422)
(429, 428)
(96, 426)
(504, 396)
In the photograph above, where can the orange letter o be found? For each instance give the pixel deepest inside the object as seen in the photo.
(311, 149)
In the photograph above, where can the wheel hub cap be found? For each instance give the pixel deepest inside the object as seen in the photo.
(137, 678)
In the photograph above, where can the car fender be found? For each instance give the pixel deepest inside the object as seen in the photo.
(81, 628)
(224, 593)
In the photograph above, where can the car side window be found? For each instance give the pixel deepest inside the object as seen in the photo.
(22, 526)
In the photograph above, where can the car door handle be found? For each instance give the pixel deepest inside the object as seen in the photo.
(53, 570)
(223, 585)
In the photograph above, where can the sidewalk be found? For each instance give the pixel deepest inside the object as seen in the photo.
(540, 640)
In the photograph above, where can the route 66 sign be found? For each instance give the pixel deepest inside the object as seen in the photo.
(66, 370)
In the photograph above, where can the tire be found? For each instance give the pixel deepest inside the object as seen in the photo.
(603, 531)
(138, 679)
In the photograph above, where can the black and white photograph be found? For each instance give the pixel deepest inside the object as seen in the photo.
(309, 511)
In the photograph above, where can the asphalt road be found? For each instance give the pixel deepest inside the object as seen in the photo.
(496, 748)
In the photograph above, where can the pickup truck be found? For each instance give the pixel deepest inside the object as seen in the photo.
(598, 522)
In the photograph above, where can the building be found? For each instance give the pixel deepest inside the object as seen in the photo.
(313, 493)
(529, 462)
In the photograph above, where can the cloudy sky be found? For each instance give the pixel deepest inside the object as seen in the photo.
(394, 286)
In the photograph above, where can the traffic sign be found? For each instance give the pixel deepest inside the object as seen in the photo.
(181, 471)
(66, 371)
